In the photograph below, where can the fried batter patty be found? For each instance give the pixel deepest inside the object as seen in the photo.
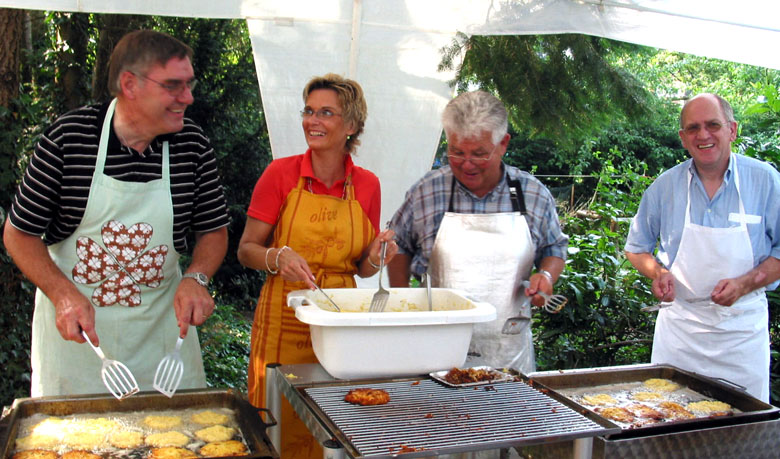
(223, 449)
(616, 413)
(366, 396)
(78, 454)
(710, 407)
(675, 411)
(468, 375)
(662, 385)
(645, 396)
(215, 433)
(171, 438)
(599, 399)
(126, 439)
(643, 411)
(35, 454)
(171, 452)
(210, 418)
(162, 422)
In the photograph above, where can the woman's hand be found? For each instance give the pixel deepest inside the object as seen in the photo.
(293, 267)
(372, 254)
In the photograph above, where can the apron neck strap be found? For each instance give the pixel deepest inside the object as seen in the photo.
(515, 195)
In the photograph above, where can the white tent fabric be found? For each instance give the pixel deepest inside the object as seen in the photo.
(392, 48)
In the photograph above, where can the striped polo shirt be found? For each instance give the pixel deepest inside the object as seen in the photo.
(52, 196)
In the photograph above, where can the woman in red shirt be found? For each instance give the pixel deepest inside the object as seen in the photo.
(313, 218)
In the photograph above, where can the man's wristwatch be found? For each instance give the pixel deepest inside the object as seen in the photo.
(200, 278)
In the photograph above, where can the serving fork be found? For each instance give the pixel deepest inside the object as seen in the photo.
(379, 301)
(119, 380)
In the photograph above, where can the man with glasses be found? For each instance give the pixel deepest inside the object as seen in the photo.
(480, 225)
(715, 220)
(102, 215)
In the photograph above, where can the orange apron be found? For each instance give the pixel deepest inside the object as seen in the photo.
(331, 234)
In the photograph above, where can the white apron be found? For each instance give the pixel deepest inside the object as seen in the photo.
(717, 341)
(487, 256)
(121, 257)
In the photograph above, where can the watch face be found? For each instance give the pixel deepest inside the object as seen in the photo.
(200, 278)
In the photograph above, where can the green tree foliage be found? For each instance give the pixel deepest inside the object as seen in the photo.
(561, 87)
(227, 105)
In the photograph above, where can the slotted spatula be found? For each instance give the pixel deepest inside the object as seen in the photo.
(169, 371)
(116, 376)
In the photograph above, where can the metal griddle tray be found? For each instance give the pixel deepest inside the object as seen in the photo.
(424, 417)
(748, 408)
(252, 421)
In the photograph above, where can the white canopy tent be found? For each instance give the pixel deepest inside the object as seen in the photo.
(392, 48)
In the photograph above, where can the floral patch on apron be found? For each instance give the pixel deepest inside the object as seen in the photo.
(122, 266)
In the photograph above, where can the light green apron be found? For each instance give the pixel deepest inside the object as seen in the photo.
(122, 258)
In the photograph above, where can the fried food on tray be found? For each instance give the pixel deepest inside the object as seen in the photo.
(616, 413)
(661, 385)
(172, 438)
(84, 440)
(644, 396)
(599, 399)
(468, 375)
(641, 410)
(215, 433)
(35, 454)
(126, 439)
(675, 411)
(210, 418)
(710, 407)
(78, 454)
(366, 396)
(36, 441)
(162, 422)
(171, 452)
(223, 449)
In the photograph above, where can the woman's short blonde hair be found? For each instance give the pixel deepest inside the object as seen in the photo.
(351, 98)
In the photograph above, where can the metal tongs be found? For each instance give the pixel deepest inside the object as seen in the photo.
(116, 376)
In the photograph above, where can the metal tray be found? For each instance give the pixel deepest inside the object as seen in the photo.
(250, 419)
(500, 376)
(749, 409)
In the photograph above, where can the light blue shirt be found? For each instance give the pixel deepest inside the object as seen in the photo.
(661, 215)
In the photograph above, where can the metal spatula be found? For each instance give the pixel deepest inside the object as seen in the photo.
(517, 324)
(552, 303)
(169, 371)
(116, 376)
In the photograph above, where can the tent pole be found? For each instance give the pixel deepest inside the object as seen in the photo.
(357, 12)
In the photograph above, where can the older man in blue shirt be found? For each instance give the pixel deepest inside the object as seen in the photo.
(715, 220)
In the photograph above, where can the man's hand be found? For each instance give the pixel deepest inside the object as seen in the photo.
(193, 304)
(75, 313)
(663, 287)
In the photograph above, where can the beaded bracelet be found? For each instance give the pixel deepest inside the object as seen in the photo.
(268, 266)
(277, 257)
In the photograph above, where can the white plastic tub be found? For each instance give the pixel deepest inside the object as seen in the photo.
(406, 339)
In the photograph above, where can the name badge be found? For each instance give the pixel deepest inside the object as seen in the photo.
(747, 218)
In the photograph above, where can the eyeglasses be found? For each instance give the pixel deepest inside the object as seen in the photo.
(711, 127)
(458, 157)
(174, 87)
(323, 113)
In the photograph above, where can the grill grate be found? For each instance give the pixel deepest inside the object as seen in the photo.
(427, 416)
